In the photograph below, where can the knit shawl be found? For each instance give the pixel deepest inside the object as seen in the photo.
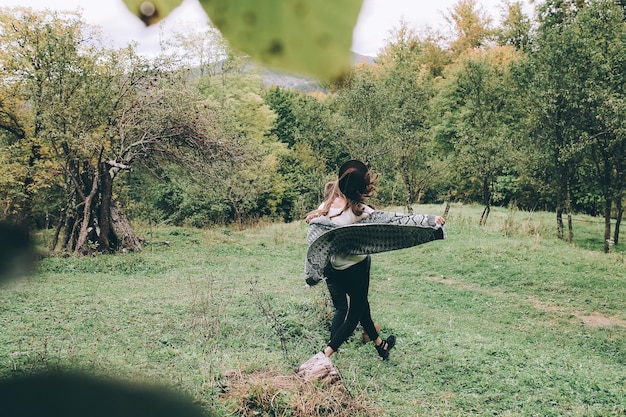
(381, 231)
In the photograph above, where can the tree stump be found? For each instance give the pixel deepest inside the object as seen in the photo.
(319, 368)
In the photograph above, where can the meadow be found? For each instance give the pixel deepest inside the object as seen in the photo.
(503, 320)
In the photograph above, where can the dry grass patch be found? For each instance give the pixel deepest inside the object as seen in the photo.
(270, 393)
(595, 319)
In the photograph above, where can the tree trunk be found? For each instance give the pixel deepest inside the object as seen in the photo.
(27, 209)
(55, 238)
(125, 237)
(67, 234)
(559, 221)
(448, 201)
(609, 195)
(483, 217)
(561, 196)
(487, 200)
(618, 221)
(607, 226)
(420, 196)
(620, 177)
(568, 208)
(570, 227)
(106, 184)
(409, 191)
(82, 246)
(94, 223)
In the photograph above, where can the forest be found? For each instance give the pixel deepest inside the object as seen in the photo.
(525, 113)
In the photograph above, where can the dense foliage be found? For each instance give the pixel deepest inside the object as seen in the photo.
(527, 113)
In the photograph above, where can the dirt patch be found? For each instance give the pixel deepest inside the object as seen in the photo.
(595, 319)
(270, 393)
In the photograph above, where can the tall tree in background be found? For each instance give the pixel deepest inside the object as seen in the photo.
(475, 120)
(598, 36)
(362, 103)
(550, 92)
(26, 167)
(408, 66)
(516, 27)
(246, 119)
(304, 124)
(471, 25)
(200, 49)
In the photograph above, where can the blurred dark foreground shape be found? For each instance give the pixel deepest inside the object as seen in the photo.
(18, 256)
(70, 394)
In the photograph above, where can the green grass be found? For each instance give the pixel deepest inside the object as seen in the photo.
(491, 321)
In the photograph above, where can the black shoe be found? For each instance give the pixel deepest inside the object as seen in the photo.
(385, 347)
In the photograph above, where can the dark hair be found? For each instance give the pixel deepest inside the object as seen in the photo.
(355, 182)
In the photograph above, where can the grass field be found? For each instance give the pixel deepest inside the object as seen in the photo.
(503, 320)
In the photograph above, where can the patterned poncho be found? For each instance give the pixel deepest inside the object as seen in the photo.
(381, 231)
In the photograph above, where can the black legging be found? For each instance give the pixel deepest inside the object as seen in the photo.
(354, 282)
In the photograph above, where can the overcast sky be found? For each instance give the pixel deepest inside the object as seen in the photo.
(377, 19)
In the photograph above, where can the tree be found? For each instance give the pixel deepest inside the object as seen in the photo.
(299, 119)
(471, 25)
(321, 130)
(600, 43)
(200, 49)
(574, 88)
(515, 28)
(48, 62)
(95, 112)
(361, 105)
(282, 102)
(408, 67)
(474, 120)
(551, 91)
(25, 167)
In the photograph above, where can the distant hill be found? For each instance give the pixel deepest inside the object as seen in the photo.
(362, 59)
(301, 83)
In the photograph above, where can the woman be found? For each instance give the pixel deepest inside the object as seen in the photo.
(348, 274)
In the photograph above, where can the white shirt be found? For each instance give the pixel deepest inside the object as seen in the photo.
(345, 217)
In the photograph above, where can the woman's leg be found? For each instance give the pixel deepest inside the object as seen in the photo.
(340, 303)
(382, 346)
(355, 281)
(368, 323)
(339, 298)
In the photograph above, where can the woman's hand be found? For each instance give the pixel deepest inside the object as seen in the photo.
(312, 215)
(440, 220)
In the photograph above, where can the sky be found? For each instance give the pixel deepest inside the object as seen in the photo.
(376, 20)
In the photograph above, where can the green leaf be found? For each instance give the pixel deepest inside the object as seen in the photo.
(305, 36)
(151, 12)
(310, 37)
